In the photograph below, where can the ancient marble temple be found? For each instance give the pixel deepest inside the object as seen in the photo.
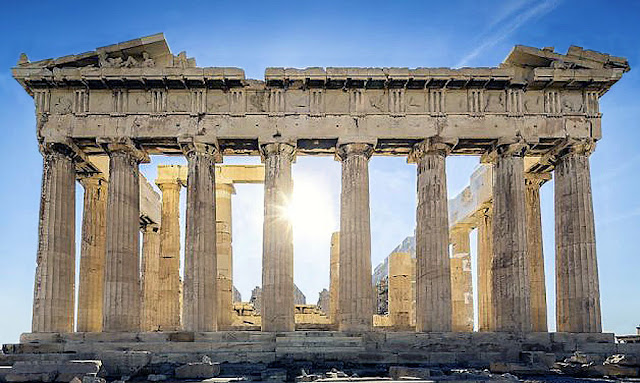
(126, 102)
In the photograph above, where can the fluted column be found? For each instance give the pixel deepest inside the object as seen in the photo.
(54, 297)
(510, 285)
(150, 277)
(122, 290)
(224, 191)
(433, 273)
(461, 280)
(200, 261)
(277, 307)
(93, 251)
(577, 286)
(535, 255)
(169, 266)
(334, 279)
(355, 293)
(400, 290)
(486, 321)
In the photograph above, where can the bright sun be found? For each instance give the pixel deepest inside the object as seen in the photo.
(311, 209)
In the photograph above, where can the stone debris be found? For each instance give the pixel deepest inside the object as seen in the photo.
(156, 377)
(621, 365)
(398, 372)
(580, 365)
(199, 370)
(43, 371)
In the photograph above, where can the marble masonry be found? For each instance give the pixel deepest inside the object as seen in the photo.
(101, 114)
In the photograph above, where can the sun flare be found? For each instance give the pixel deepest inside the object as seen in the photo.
(310, 209)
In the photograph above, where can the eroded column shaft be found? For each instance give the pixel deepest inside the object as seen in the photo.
(485, 259)
(334, 279)
(169, 267)
(225, 254)
(400, 289)
(92, 257)
(122, 294)
(577, 286)
(355, 293)
(535, 255)
(277, 307)
(201, 264)
(54, 295)
(150, 277)
(510, 285)
(461, 281)
(433, 273)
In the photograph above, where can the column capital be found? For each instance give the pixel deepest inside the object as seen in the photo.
(506, 147)
(65, 147)
(277, 148)
(150, 227)
(125, 145)
(432, 145)
(191, 146)
(354, 149)
(461, 228)
(536, 179)
(171, 175)
(92, 180)
(569, 146)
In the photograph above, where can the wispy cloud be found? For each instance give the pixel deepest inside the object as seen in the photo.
(498, 31)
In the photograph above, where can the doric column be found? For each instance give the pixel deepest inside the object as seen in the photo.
(535, 256)
(485, 259)
(150, 277)
(355, 293)
(510, 286)
(433, 273)
(54, 295)
(200, 257)
(461, 280)
(93, 251)
(169, 267)
(577, 286)
(277, 248)
(400, 291)
(334, 279)
(122, 292)
(224, 191)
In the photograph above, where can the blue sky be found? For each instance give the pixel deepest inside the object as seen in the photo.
(256, 35)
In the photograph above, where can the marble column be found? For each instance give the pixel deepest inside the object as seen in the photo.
(461, 280)
(169, 266)
(535, 255)
(200, 256)
(277, 307)
(510, 286)
(54, 294)
(433, 273)
(224, 251)
(400, 290)
(150, 277)
(355, 293)
(485, 258)
(334, 279)
(93, 251)
(577, 286)
(122, 290)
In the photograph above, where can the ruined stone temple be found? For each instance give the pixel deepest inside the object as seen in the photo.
(101, 114)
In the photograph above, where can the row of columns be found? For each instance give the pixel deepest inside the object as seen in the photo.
(505, 264)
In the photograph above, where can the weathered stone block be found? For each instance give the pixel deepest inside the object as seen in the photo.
(124, 363)
(200, 370)
(618, 370)
(31, 377)
(397, 372)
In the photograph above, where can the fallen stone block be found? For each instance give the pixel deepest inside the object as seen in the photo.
(199, 370)
(78, 368)
(397, 372)
(124, 363)
(621, 371)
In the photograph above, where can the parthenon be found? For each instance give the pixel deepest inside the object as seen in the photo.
(534, 116)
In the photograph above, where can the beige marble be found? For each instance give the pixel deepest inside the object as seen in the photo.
(485, 274)
(538, 291)
(433, 272)
(400, 290)
(461, 280)
(93, 251)
(334, 276)
(355, 294)
(150, 277)
(277, 249)
(169, 266)
(224, 253)
(201, 264)
(577, 285)
(511, 306)
(54, 290)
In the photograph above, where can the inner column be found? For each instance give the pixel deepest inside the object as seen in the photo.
(461, 279)
(277, 249)
(433, 272)
(355, 294)
(224, 192)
